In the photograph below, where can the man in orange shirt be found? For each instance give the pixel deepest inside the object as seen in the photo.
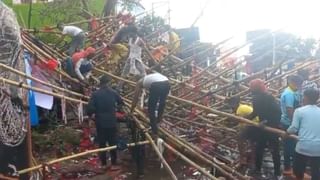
(81, 63)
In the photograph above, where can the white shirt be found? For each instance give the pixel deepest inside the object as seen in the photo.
(151, 78)
(306, 123)
(71, 30)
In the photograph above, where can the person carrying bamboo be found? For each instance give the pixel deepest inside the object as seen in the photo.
(267, 109)
(77, 35)
(159, 87)
(306, 124)
(290, 100)
(102, 105)
(248, 134)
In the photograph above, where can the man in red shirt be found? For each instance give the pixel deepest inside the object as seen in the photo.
(81, 63)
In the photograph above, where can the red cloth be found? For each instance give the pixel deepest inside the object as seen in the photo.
(257, 85)
(82, 54)
(126, 18)
(94, 24)
(120, 115)
(52, 64)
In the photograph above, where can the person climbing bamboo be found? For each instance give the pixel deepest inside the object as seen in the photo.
(117, 45)
(159, 87)
(77, 35)
(82, 64)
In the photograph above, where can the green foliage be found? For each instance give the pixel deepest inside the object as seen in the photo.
(57, 139)
(129, 5)
(287, 47)
(49, 14)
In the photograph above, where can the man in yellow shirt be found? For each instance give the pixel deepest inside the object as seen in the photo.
(247, 134)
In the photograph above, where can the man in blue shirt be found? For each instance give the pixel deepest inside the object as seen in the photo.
(290, 100)
(306, 124)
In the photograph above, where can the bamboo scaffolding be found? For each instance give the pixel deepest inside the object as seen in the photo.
(77, 156)
(190, 101)
(166, 165)
(187, 149)
(63, 90)
(23, 85)
(193, 164)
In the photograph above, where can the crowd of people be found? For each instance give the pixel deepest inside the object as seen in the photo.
(296, 113)
(125, 47)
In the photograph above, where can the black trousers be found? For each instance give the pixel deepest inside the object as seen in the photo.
(300, 162)
(272, 141)
(158, 93)
(107, 135)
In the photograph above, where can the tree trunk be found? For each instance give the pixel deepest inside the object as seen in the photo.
(109, 7)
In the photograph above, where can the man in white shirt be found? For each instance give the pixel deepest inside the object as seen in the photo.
(159, 87)
(77, 35)
(306, 124)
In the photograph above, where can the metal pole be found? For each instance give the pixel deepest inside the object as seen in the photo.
(169, 13)
(273, 49)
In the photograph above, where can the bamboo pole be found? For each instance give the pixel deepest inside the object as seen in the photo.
(63, 90)
(2, 177)
(77, 156)
(164, 162)
(22, 85)
(208, 109)
(196, 151)
(193, 164)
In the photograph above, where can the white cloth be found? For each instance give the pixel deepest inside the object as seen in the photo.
(80, 113)
(151, 78)
(71, 30)
(165, 37)
(134, 55)
(42, 100)
(160, 147)
(63, 110)
(77, 68)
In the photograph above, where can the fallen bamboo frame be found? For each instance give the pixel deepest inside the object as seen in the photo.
(77, 156)
(193, 150)
(234, 117)
(63, 90)
(186, 159)
(166, 165)
(23, 85)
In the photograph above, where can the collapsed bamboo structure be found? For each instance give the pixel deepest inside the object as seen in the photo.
(195, 109)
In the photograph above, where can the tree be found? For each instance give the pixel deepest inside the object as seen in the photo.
(286, 46)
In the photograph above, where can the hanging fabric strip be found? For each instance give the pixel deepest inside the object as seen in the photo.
(160, 147)
(63, 109)
(80, 112)
(143, 94)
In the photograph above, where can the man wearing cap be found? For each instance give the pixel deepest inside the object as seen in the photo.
(266, 108)
(81, 63)
(290, 100)
(247, 134)
(159, 87)
(103, 105)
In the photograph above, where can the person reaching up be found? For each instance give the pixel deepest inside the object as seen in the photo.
(159, 87)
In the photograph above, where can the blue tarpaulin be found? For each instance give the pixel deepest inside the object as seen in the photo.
(33, 112)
